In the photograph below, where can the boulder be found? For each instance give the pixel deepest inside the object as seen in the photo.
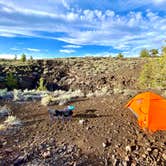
(27, 82)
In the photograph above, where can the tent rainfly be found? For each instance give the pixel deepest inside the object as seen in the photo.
(150, 109)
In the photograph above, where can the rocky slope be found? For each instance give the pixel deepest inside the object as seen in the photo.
(87, 74)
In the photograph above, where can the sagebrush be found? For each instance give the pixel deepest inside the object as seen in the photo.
(153, 73)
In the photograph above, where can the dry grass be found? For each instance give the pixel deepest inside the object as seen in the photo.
(102, 92)
(17, 95)
(2, 127)
(12, 121)
(61, 97)
(46, 100)
(3, 92)
(4, 111)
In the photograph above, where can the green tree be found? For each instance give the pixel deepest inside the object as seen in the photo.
(23, 58)
(154, 52)
(144, 53)
(42, 86)
(31, 58)
(11, 81)
(160, 70)
(146, 76)
(163, 51)
(153, 74)
(15, 57)
(120, 55)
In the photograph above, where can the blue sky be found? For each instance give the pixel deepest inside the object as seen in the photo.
(65, 28)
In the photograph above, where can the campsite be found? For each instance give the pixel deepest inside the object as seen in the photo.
(102, 130)
(82, 82)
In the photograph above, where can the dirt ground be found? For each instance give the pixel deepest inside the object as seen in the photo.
(109, 133)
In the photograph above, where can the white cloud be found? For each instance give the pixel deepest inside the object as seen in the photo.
(67, 51)
(72, 16)
(83, 26)
(33, 49)
(159, 1)
(7, 9)
(14, 49)
(101, 54)
(7, 56)
(71, 46)
(4, 34)
(66, 4)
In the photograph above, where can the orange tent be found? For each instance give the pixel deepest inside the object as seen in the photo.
(150, 110)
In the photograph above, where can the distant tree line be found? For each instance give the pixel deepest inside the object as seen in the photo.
(23, 58)
(153, 72)
(153, 52)
(148, 53)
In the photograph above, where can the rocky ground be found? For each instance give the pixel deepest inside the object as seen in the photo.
(87, 74)
(101, 132)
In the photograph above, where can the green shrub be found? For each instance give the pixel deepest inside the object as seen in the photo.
(15, 57)
(145, 79)
(163, 51)
(11, 81)
(42, 86)
(144, 53)
(120, 55)
(153, 74)
(154, 52)
(23, 58)
(31, 58)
